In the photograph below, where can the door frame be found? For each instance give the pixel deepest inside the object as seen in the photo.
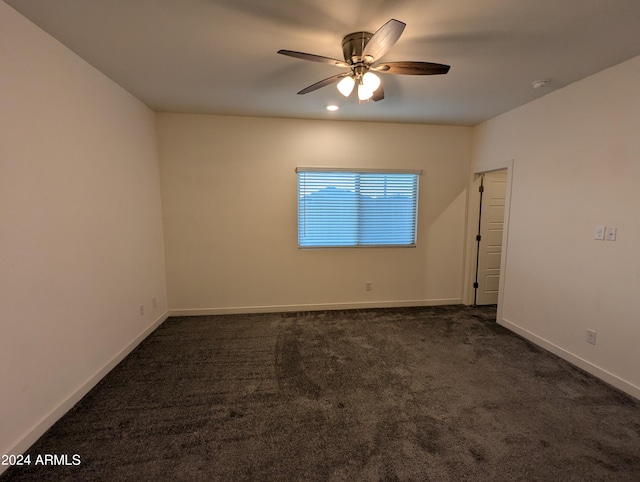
(473, 218)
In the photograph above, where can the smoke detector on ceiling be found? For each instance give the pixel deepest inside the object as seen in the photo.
(539, 83)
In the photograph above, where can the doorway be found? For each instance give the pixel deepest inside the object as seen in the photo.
(492, 194)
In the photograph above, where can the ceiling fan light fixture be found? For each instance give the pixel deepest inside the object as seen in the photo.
(368, 85)
(345, 86)
(370, 81)
(364, 93)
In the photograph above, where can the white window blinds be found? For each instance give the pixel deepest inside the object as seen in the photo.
(339, 208)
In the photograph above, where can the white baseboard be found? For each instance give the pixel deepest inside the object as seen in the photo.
(313, 307)
(33, 434)
(581, 363)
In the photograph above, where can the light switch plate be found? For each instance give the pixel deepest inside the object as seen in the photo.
(611, 233)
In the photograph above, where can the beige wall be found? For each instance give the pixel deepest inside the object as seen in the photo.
(576, 158)
(229, 199)
(80, 228)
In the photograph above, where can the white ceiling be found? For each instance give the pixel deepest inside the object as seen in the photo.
(219, 56)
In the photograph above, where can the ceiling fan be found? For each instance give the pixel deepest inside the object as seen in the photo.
(362, 51)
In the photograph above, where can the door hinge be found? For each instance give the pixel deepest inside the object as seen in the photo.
(481, 188)
(478, 237)
(475, 285)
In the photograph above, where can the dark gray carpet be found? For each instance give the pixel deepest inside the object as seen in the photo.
(423, 394)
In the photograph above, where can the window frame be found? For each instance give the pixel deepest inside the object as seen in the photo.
(416, 172)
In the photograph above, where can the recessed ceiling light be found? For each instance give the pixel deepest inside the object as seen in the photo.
(332, 107)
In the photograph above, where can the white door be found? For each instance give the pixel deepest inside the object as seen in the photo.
(490, 246)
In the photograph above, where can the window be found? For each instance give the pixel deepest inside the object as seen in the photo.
(340, 208)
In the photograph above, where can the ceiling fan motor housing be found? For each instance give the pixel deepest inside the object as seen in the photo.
(353, 46)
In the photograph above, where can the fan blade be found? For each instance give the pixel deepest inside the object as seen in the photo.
(378, 94)
(314, 58)
(322, 83)
(412, 68)
(385, 38)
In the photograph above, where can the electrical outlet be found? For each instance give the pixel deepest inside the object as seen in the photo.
(141, 310)
(368, 285)
(599, 233)
(591, 337)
